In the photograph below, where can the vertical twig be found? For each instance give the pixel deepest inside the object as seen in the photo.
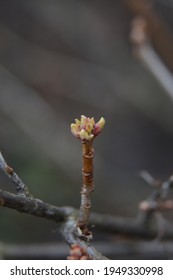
(86, 130)
(88, 185)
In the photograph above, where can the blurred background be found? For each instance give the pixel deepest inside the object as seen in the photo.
(60, 59)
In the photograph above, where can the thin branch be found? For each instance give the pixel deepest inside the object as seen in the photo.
(158, 198)
(157, 30)
(139, 226)
(146, 176)
(21, 188)
(153, 62)
(144, 51)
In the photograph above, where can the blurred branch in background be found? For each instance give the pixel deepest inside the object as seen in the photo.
(144, 51)
(159, 33)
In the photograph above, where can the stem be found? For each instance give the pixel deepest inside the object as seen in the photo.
(86, 130)
(87, 187)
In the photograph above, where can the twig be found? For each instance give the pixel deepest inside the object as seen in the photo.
(134, 226)
(157, 202)
(87, 187)
(20, 186)
(157, 30)
(158, 198)
(144, 51)
(86, 130)
(146, 176)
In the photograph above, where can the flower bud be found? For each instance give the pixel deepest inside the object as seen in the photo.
(86, 128)
(99, 126)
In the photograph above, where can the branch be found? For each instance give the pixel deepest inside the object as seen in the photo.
(143, 50)
(35, 207)
(67, 216)
(158, 32)
(20, 186)
(158, 198)
(152, 207)
(107, 223)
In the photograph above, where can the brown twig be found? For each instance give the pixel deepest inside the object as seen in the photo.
(86, 130)
(87, 187)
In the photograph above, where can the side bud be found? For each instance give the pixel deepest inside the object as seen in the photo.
(99, 126)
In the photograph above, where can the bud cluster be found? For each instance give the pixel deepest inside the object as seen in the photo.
(86, 128)
(78, 253)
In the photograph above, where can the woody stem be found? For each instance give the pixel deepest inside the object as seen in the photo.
(87, 187)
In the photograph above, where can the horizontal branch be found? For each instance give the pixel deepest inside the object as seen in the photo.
(35, 207)
(67, 216)
(139, 226)
(129, 226)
